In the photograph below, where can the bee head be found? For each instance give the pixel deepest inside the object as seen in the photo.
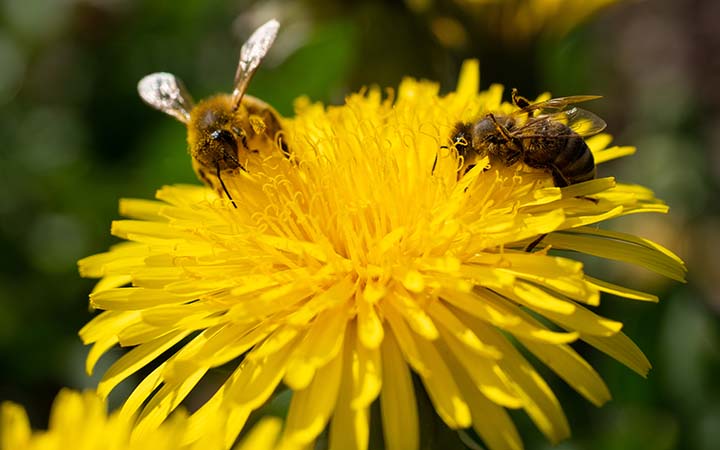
(213, 135)
(462, 138)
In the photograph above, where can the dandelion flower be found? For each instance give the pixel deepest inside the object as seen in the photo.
(362, 261)
(522, 20)
(80, 421)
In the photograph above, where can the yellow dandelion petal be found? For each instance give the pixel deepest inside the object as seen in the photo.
(397, 399)
(257, 377)
(611, 153)
(490, 420)
(621, 247)
(135, 359)
(144, 389)
(165, 400)
(484, 374)
(621, 291)
(15, 431)
(311, 408)
(234, 417)
(319, 346)
(442, 388)
(359, 386)
(572, 368)
(265, 436)
(622, 348)
(366, 373)
(538, 400)
(372, 253)
(469, 80)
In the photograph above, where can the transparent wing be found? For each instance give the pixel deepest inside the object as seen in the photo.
(557, 104)
(251, 55)
(165, 92)
(578, 122)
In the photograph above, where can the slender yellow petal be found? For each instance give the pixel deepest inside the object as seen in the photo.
(397, 399)
(165, 401)
(469, 79)
(611, 153)
(621, 291)
(256, 378)
(572, 368)
(96, 351)
(350, 425)
(622, 247)
(577, 318)
(485, 375)
(490, 421)
(538, 400)
(319, 345)
(441, 387)
(107, 325)
(494, 309)
(370, 328)
(366, 373)
(311, 408)
(142, 392)
(263, 436)
(620, 347)
(135, 359)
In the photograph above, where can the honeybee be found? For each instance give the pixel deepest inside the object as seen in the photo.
(226, 131)
(546, 135)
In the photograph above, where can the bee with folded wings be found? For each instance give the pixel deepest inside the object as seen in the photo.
(226, 132)
(546, 135)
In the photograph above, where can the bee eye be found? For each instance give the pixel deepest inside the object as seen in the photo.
(226, 140)
(461, 144)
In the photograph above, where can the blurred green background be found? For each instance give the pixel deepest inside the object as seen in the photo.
(75, 138)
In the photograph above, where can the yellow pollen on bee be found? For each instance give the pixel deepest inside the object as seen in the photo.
(257, 124)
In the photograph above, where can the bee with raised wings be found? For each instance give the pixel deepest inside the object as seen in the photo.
(546, 135)
(226, 132)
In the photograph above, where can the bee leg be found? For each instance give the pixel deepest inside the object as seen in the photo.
(222, 183)
(534, 243)
(558, 177)
(518, 100)
(512, 158)
(501, 129)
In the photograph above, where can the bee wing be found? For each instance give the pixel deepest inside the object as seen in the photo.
(165, 92)
(579, 121)
(557, 104)
(582, 122)
(251, 55)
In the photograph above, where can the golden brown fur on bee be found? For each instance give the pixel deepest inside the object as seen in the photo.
(221, 138)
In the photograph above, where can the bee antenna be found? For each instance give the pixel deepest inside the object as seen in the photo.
(222, 183)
